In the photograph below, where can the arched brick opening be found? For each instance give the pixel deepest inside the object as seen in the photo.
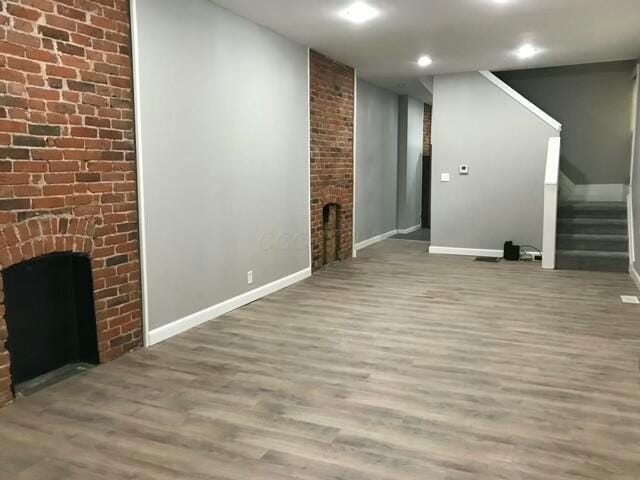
(331, 224)
(341, 197)
(44, 235)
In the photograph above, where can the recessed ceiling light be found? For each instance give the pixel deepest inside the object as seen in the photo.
(359, 12)
(425, 61)
(527, 51)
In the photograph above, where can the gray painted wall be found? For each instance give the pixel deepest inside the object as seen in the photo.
(477, 124)
(636, 183)
(410, 145)
(593, 103)
(224, 142)
(376, 161)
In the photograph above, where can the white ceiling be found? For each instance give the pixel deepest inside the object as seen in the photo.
(460, 35)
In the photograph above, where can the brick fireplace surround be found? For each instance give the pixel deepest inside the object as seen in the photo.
(67, 158)
(332, 121)
(67, 162)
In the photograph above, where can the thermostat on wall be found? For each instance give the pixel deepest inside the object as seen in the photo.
(464, 170)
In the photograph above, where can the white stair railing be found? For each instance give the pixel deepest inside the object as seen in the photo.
(534, 109)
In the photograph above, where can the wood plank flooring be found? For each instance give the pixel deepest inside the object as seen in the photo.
(394, 366)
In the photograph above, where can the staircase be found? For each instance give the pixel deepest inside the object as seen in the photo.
(592, 236)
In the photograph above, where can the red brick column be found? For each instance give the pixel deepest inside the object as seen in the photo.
(332, 111)
(427, 129)
(67, 152)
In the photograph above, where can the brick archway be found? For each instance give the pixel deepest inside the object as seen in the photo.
(43, 235)
(342, 197)
(31, 239)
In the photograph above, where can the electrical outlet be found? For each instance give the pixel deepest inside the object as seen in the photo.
(250, 277)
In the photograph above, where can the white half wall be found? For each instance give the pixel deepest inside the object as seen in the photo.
(477, 124)
(223, 144)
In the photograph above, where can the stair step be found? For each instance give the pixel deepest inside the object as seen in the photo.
(590, 260)
(586, 241)
(604, 226)
(593, 210)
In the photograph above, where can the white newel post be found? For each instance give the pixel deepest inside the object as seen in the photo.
(551, 204)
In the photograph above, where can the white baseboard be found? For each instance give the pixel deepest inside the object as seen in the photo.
(634, 275)
(376, 239)
(597, 193)
(405, 231)
(384, 236)
(472, 252)
(195, 319)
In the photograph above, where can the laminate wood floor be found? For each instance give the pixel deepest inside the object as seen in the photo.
(395, 366)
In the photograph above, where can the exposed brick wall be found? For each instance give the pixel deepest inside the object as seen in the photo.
(427, 129)
(67, 163)
(332, 110)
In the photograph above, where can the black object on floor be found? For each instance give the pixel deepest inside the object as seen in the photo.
(511, 252)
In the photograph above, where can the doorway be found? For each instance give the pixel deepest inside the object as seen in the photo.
(426, 192)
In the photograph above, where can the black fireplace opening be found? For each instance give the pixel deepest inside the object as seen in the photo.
(50, 315)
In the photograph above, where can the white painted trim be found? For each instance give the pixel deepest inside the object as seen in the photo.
(597, 192)
(472, 252)
(376, 239)
(309, 155)
(354, 251)
(634, 276)
(550, 208)
(167, 331)
(592, 192)
(634, 154)
(549, 227)
(406, 231)
(545, 117)
(634, 119)
(144, 273)
(384, 236)
(552, 168)
(631, 229)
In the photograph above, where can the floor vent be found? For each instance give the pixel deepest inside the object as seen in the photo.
(488, 259)
(629, 299)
